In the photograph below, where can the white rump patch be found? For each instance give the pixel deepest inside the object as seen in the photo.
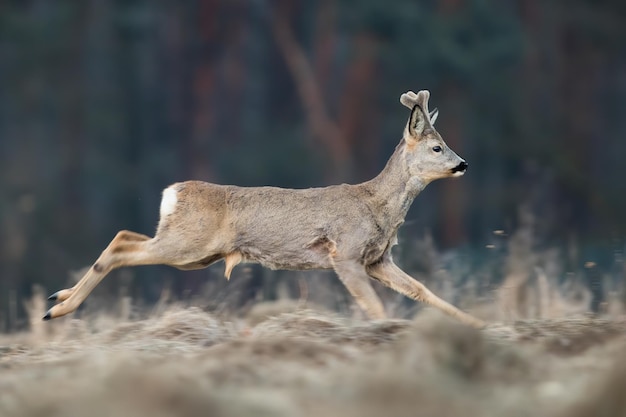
(168, 202)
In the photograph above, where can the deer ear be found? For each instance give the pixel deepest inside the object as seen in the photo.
(420, 118)
(433, 116)
(417, 122)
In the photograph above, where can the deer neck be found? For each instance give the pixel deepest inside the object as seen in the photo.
(394, 189)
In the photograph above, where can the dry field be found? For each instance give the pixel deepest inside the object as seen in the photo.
(283, 361)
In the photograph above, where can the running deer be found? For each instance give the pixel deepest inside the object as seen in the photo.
(348, 228)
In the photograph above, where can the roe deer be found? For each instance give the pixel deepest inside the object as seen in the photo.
(348, 228)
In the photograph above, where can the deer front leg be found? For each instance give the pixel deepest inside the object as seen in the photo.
(393, 277)
(353, 276)
(126, 249)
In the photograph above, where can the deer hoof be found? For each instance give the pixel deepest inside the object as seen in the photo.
(48, 316)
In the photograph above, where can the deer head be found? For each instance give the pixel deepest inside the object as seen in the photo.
(428, 156)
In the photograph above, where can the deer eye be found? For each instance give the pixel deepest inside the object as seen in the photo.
(437, 148)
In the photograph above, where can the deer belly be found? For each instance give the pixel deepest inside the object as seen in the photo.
(287, 259)
(282, 252)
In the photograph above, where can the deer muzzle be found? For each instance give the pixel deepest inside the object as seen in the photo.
(459, 169)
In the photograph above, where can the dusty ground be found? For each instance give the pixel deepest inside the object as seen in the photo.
(309, 363)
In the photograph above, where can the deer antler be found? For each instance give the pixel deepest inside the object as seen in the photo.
(410, 100)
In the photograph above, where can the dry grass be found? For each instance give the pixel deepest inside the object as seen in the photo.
(308, 362)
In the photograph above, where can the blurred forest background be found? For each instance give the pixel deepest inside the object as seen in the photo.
(103, 103)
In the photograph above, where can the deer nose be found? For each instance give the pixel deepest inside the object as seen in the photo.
(460, 167)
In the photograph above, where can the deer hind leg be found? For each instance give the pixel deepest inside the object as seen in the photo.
(355, 279)
(393, 277)
(127, 235)
(126, 249)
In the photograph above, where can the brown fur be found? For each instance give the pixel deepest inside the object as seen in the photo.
(348, 228)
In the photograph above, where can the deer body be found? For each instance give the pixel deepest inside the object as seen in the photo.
(348, 228)
(345, 221)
